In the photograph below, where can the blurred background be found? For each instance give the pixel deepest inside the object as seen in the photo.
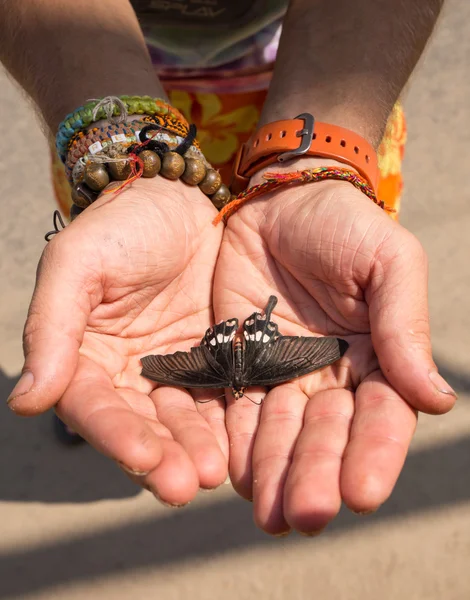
(71, 526)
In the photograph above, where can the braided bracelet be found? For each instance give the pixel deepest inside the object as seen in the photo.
(277, 180)
(114, 128)
(109, 108)
(97, 139)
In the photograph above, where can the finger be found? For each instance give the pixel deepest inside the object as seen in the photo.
(242, 417)
(312, 495)
(63, 297)
(142, 447)
(169, 481)
(213, 412)
(381, 433)
(176, 410)
(175, 480)
(280, 425)
(93, 408)
(400, 325)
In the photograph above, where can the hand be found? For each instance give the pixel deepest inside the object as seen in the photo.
(339, 266)
(132, 275)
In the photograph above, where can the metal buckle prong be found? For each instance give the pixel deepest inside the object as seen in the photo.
(306, 133)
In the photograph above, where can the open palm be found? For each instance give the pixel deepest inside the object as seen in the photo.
(339, 266)
(131, 276)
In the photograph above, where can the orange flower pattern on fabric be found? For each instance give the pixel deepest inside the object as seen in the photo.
(390, 157)
(225, 121)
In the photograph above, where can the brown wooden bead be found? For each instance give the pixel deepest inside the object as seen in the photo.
(152, 163)
(221, 197)
(211, 182)
(96, 176)
(121, 170)
(172, 165)
(75, 211)
(194, 172)
(82, 195)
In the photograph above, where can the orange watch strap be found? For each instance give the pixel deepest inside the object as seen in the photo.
(303, 136)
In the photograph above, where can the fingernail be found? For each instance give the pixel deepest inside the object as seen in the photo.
(282, 533)
(363, 513)
(312, 533)
(441, 384)
(132, 471)
(168, 503)
(23, 386)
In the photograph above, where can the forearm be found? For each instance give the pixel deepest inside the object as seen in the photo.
(347, 62)
(64, 53)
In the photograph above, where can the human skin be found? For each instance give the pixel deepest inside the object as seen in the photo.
(141, 273)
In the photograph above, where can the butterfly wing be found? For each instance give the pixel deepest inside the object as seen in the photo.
(209, 365)
(259, 330)
(286, 358)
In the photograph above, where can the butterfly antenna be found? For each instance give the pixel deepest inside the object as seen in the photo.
(254, 401)
(210, 399)
(270, 307)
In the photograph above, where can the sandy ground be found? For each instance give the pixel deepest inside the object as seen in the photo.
(71, 526)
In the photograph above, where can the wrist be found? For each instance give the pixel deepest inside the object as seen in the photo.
(348, 116)
(303, 136)
(297, 164)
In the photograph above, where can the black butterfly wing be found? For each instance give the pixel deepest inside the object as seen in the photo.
(286, 358)
(209, 365)
(259, 330)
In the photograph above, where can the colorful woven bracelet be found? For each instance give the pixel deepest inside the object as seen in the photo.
(96, 138)
(109, 108)
(276, 180)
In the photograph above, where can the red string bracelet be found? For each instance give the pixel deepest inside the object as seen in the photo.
(277, 180)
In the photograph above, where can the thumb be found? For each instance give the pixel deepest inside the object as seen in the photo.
(54, 327)
(400, 330)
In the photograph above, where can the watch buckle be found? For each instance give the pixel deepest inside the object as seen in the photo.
(306, 133)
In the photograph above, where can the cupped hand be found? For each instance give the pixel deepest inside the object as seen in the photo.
(132, 275)
(339, 266)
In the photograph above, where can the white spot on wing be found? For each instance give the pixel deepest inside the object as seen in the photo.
(227, 338)
(220, 338)
(212, 342)
(245, 333)
(250, 322)
(258, 335)
(260, 317)
(266, 338)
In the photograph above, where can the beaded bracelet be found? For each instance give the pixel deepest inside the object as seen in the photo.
(277, 180)
(146, 159)
(98, 139)
(108, 108)
(119, 144)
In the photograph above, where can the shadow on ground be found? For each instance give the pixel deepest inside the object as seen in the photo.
(432, 478)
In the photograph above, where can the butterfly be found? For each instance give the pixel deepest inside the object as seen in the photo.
(261, 356)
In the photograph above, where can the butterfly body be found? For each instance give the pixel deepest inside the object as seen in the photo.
(237, 385)
(259, 356)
